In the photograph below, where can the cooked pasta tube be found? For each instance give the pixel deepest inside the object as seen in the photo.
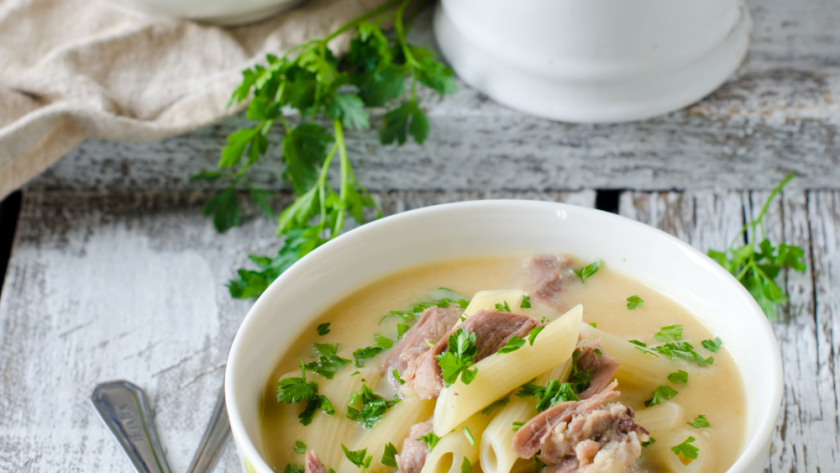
(661, 419)
(487, 300)
(497, 456)
(326, 433)
(501, 373)
(392, 428)
(675, 463)
(449, 453)
(635, 369)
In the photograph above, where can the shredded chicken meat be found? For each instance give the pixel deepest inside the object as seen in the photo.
(414, 452)
(313, 463)
(598, 364)
(547, 276)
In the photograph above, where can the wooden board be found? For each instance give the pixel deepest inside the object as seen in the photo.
(806, 437)
(779, 113)
(110, 286)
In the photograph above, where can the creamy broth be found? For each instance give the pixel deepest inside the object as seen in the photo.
(715, 391)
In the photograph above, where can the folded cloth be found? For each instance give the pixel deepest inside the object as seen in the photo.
(71, 69)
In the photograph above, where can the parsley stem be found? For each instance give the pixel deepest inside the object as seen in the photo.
(322, 182)
(345, 165)
(398, 27)
(352, 23)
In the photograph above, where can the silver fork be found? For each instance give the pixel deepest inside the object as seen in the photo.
(125, 410)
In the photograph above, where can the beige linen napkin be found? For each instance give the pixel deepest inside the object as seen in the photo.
(71, 69)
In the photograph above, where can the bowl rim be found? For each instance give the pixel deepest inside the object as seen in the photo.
(749, 452)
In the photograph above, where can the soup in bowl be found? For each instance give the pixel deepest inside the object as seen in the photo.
(504, 336)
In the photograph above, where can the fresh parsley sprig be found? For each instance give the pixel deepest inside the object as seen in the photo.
(457, 359)
(329, 362)
(660, 395)
(430, 440)
(360, 458)
(294, 390)
(757, 263)
(686, 450)
(367, 407)
(553, 393)
(322, 88)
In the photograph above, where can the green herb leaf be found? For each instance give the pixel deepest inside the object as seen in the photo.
(532, 335)
(700, 422)
(495, 405)
(397, 376)
(365, 353)
(649, 442)
(382, 341)
(389, 454)
(402, 121)
(517, 425)
(526, 302)
(466, 466)
(685, 351)
(358, 457)
(469, 435)
(515, 343)
(579, 379)
(401, 329)
(587, 271)
(367, 407)
(457, 359)
(685, 449)
(503, 308)
(293, 390)
(671, 332)
(634, 302)
(329, 363)
(300, 447)
(553, 393)
(224, 209)
(293, 468)
(430, 439)
(323, 329)
(678, 377)
(712, 345)
(660, 395)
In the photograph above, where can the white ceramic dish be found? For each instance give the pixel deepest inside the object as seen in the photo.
(218, 12)
(594, 60)
(473, 229)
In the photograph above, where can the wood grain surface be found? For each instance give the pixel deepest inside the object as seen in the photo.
(780, 112)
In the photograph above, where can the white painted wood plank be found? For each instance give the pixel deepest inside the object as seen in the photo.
(779, 113)
(104, 286)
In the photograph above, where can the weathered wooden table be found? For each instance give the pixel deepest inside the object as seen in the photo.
(114, 273)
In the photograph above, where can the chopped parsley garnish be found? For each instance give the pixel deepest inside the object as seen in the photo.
(430, 439)
(359, 458)
(293, 468)
(300, 447)
(515, 343)
(712, 345)
(660, 395)
(685, 351)
(469, 435)
(587, 271)
(634, 302)
(382, 342)
(422, 306)
(594, 324)
(700, 422)
(323, 329)
(292, 390)
(669, 333)
(649, 442)
(372, 407)
(553, 393)
(365, 353)
(389, 455)
(540, 465)
(458, 358)
(401, 329)
(466, 466)
(320, 402)
(638, 343)
(678, 377)
(642, 347)
(532, 335)
(757, 266)
(329, 363)
(685, 449)
(526, 302)
(597, 351)
(495, 405)
(503, 308)
(397, 376)
(517, 425)
(578, 378)
(355, 373)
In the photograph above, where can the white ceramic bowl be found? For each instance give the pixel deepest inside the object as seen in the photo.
(501, 227)
(594, 60)
(218, 12)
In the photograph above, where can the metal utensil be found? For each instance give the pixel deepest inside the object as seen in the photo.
(125, 410)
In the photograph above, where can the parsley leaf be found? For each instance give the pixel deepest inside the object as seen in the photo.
(700, 422)
(293, 390)
(329, 363)
(458, 357)
(642, 347)
(685, 351)
(372, 407)
(671, 332)
(634, 302)
(503, 308)
(685, 449)
(382, 341)
(430, 439)
(401, 329)
(469, 435)
(517, 425)
(323, 329)
(365, 353)
(587, 271)
(553, 393)
(515, 343)
(712, 345)
(358, 457)
(225, 209)
(678, 377)
(660, 395)
(579, 379)
(319, 402)
(757, 266)
(300, 447)
(495, 405)
(407, 119)
(388, 455)
(397, 376)
(649, 442)
(293, 468)
(466, 466)
(526, 302)
(532, 335)
(418, 308)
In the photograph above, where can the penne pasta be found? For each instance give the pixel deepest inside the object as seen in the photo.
(448, 454)
(636, 369)
(661, 419)
(487, 300)
(496, 455)
(501, 373)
